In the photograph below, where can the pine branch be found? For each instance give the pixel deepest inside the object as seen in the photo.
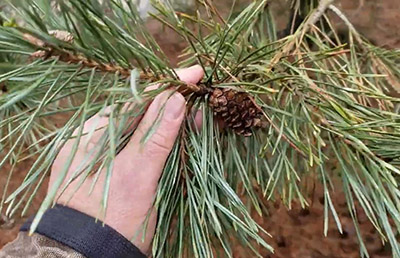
(64, 55)
(324, 99)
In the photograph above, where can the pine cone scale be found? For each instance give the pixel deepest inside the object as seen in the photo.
(237, 110)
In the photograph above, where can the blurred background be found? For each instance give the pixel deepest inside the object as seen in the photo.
(296, 233)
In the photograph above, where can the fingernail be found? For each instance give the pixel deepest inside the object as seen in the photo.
(192, 74)
(174, 107)
(198, 119)
(194, 67)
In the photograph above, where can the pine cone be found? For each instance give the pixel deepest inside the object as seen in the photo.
(237, 111)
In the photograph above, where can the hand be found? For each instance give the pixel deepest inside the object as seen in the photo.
(137, 168)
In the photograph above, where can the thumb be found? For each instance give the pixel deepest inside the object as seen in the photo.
(149, 158)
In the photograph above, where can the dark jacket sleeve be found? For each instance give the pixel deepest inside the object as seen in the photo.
(81, 233)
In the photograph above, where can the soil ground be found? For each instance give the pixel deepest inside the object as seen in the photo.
(297, 233)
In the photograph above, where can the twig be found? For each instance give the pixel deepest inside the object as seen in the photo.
(323, 6)
(71, 58)
(321, 9)
(215, 11)
(348, 23)
(68, 57)
(377, 63)
(63, 55)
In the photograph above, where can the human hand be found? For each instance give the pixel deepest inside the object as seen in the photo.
(137, 168)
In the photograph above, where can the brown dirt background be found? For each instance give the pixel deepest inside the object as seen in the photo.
(296, 233)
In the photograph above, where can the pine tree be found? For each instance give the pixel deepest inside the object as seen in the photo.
(277, 110)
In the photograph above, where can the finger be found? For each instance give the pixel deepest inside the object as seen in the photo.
(148, 159)
(93, 133)
(95, 127)
(198, 120)
(192, 74)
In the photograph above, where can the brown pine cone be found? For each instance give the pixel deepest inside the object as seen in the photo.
(237, 110)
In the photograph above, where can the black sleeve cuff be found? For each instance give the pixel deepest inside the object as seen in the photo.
(83, 234)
